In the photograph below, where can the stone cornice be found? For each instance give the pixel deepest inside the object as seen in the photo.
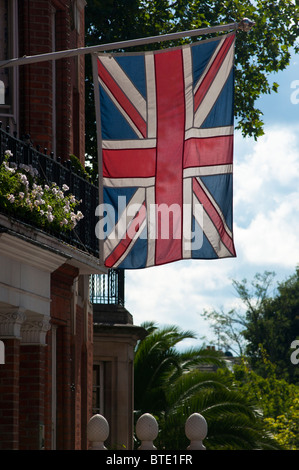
(30, 328)
(34, 330)
(86, 263)
(118, 332)
(17, 248)
(11, 320)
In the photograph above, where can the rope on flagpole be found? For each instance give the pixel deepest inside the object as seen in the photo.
(244, 25)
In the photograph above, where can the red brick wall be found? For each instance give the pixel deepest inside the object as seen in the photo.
(61, 296)
(25, 379)
(64, 85)
(48, 393)
(9, 393)
(74, 363)
(32, 397)
(36, 79)
(37, 102)
(86, 381)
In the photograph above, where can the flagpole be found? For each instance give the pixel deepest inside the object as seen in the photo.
(99, 150)
(244, 25)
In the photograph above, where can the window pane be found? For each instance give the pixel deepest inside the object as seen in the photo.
(4, 41)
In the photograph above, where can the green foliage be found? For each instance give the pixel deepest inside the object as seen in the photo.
(156, 362)
(45, 206)
(230, 327)
(170, 385)
(276, 400)
(285, 428)
(262, 51)
(274, 324)
(78, 168)
(267, 317)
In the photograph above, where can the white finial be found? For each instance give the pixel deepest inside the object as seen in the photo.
(196, 429)
(147, 431)
(97, 432)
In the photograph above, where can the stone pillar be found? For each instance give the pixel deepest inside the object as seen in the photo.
(33, 382)
(114, 338)
(10, 325)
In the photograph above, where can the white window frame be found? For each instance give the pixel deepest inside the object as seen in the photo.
(10, 112)
(99, 387)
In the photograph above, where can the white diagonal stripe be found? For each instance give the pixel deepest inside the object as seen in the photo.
(207, 68)
(124, 220)
(129, 248)
(216, 207)
(215, 88)
(121, 109)
(211, 232)
(125, 84)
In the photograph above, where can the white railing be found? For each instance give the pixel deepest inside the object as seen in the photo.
(147, 431)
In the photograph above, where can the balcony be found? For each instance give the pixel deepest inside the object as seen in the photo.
(49, 170)
(108, 288)
(80, 242)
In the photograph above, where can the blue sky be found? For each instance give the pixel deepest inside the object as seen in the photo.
(266, 225)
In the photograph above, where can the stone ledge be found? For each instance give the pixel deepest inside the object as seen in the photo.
(111, 314)
(52, 246)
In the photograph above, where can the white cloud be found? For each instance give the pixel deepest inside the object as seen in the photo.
(177, 293)
(269, 170)
(272, 238)
(267, 199)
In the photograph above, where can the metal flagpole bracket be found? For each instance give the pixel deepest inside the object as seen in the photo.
(246, 24)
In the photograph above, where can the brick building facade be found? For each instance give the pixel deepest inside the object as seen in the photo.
(64, 358)
(46, 318)
(45, 99)
(46, 324)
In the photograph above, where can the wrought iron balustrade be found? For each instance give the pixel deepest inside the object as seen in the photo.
(108, 288)
(51, 170)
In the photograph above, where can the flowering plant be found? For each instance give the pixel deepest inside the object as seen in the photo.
(48, 206)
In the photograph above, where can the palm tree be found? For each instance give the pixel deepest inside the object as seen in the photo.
(169, 385)
(157, 362)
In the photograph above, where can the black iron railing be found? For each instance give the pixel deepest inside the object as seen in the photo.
(108, 288)
(104, 288)
(51, 170)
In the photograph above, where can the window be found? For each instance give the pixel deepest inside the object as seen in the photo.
(9, 50)
(97, 391)
(2, 92)
(101, 396)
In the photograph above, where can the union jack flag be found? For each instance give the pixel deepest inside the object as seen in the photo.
(167, 153)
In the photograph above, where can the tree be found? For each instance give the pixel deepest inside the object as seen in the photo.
(106, 21)
(157, 360)
(274, 324)
(230, 327)
(266, 49)
(266, 321)
(170, 385)
(277, 400)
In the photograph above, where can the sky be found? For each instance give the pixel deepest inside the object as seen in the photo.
(266, 226)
